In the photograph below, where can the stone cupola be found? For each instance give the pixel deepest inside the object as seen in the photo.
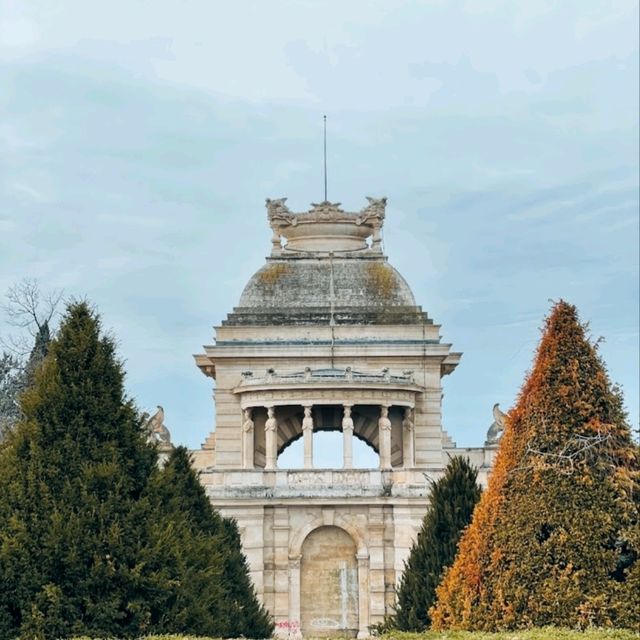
(327, 266)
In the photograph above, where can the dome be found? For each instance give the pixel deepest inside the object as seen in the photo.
(305, 283)
(327, 271)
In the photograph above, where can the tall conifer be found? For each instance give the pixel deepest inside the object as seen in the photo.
(72, 517)
(554, 539)
(451, 502)
(248, 617)
(214, 595)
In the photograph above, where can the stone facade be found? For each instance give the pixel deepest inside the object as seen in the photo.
(327, 336)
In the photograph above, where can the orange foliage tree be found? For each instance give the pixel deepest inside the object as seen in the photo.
(555, 538)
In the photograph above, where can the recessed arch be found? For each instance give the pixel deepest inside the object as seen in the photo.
(329, 589)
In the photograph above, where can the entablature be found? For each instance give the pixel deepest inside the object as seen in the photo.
(327, 386)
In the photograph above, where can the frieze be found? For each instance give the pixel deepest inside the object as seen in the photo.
(261, 398)
(309, 478)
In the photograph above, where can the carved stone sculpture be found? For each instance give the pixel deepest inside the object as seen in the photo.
(307, 434)
(156, 429)
(373, 212)
(384, 423)
(347, 420)
(407, 422)
(325, 227)
(496, 429)
(407, 438)
(271, 441)
(247, 425)
(247, 440)
(307, 421)
(271, 424)
(347, 438)
(384, 437)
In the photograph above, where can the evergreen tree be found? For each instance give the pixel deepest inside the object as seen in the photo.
(554, 539)
(451, 502)
(213, 595)
(247, 617)
(73, 520)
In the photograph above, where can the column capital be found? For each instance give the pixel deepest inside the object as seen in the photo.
(294, 561)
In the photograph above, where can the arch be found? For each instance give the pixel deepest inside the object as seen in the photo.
(329, 587)
(330, 519)
(329, 418)
(328, 453)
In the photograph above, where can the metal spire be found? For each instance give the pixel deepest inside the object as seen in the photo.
(325, 157)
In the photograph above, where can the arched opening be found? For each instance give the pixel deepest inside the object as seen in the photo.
(327, 453)
(327, 436)
(329, 584)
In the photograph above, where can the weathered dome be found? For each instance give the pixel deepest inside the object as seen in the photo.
(327, 272)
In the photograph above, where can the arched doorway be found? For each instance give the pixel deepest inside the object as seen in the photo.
(329, 584)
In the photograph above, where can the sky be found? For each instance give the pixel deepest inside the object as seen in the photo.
(139, 139)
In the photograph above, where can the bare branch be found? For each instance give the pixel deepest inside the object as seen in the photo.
(27, 308)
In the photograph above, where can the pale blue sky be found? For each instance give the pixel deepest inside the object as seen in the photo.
(138, 141)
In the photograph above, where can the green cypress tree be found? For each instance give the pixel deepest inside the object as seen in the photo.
(213, 593)
(188, 531)
(73, 520)
(452, 499)
(247, 616)
(555, 538)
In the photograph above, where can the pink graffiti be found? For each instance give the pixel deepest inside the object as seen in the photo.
(288, 625)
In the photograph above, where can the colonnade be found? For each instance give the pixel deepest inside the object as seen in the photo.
(271, 437)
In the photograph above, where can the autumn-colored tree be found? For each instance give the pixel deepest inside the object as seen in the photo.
(554, 539)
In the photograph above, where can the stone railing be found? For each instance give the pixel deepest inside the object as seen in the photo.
(315, 483)
(315, 376)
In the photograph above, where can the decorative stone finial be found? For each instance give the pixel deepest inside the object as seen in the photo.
(326, 227)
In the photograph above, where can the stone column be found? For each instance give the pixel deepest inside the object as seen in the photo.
(307, 434)
(347, 437)
(384, 437)
(271, 439)
(407, 439)
(293, 624)
(247, 440)
(363, 599)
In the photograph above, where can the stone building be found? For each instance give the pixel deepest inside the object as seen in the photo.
(327, 336)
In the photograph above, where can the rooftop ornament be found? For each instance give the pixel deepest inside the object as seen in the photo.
(326, 227)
